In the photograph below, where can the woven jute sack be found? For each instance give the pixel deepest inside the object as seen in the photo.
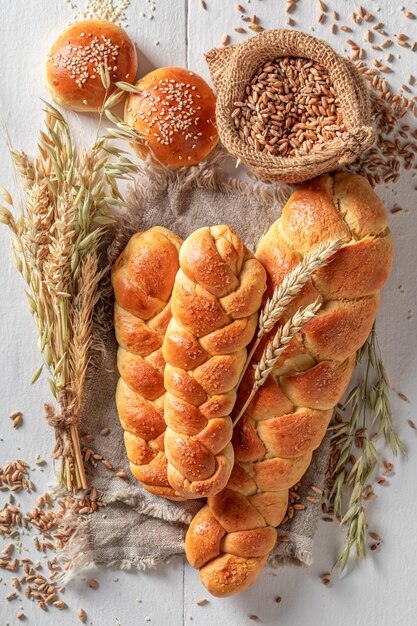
(233, 67)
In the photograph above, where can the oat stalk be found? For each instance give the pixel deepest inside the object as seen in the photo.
(356, 458)
(285, 292)
(276, 347)
(55, 239)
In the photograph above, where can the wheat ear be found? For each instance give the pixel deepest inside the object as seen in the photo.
(276, 347)
(290, 287)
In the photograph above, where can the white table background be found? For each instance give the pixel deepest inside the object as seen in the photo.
(381, 590)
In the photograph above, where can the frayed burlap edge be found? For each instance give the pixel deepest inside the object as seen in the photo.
(79, 554)
(78, 550)
(206, 174)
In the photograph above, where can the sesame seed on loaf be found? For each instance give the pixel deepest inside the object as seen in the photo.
(174, 112)
(75, 61)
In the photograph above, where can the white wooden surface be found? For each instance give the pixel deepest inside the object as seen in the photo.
(382, 590)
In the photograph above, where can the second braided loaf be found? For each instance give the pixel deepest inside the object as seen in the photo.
(217, 293)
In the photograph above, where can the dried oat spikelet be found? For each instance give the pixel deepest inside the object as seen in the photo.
(354, 457)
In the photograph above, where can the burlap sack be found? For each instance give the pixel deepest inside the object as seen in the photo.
(233, 67)
(137, 528)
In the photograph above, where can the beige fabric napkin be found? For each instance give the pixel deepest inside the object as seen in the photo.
(136, 528)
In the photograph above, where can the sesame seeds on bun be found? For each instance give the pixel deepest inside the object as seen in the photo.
(74, 62)
(175, 113)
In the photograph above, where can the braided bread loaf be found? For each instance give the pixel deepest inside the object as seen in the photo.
(217, 293)
(230, 539)
(143, 278)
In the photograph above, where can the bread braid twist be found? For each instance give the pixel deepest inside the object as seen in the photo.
(231, 537)
(217, 293)
(143, 278)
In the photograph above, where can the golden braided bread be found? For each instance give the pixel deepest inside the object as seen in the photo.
(217, 293)
(231, 537)
(143, 278)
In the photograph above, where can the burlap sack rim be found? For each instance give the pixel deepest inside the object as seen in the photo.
(233, 66)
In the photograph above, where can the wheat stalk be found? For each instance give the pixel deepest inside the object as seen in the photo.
(276, 347)
(55, 246)
(285, 292)
(292, 284)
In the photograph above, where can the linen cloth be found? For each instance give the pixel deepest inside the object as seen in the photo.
(136, 528)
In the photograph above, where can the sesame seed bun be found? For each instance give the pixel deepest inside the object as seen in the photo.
(74, 61)
(176, 115)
